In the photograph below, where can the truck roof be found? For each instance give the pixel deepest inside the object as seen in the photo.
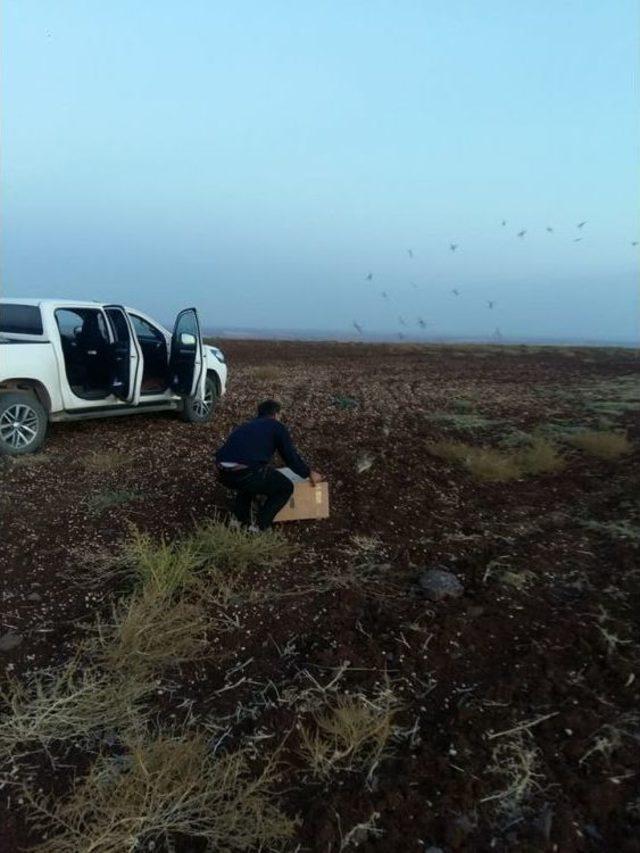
(79, 303)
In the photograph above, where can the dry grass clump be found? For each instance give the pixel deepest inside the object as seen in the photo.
(29, 460)
(352, 734)
(602, 445)
(213, 556)
(231, 549)
(539, 456)
(266, 372)
(101, 501)
(517, 761)
(610, 737)
(101, 461)
(165, 567)
(149, 632)
(162, 789)
(64, 704)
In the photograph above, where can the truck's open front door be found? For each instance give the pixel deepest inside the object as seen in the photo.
(187, 368)
(127, 356)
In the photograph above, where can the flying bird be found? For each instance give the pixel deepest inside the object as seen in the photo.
(402, 321)
(400, 336)
(414, 285)
(549, 229)
(490, 304)
(581, 224)
(577, 239)
(453, 246)
(384, 294)
(504, 222)
(522, 233)
(422, 323)
(357, 327)
(369, 277)
(455, 292)
(410, 252)
(634, 242)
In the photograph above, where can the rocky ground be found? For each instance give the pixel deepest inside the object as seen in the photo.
(516, 724)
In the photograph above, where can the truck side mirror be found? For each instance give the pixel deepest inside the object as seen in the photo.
(187, 339)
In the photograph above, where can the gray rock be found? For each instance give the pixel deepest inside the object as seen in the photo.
(439, 583)
(34, 596)
(9, 641)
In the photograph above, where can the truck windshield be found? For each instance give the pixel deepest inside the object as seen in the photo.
(20, 319)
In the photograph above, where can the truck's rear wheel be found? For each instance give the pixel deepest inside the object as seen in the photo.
(201, 411)
(23, 423)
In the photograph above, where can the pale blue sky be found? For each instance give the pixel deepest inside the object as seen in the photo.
(259, 159)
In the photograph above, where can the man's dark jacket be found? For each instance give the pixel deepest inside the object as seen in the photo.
(255, 442)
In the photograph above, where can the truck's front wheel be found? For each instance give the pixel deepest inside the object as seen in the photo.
(201, 411)
(23, 423)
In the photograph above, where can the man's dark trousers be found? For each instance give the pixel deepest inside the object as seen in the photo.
(253, 482)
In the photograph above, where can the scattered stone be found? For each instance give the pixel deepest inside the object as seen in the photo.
(34, 596)
(439, 583)
(9, 641)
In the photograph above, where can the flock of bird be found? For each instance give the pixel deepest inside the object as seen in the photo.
(453, 247)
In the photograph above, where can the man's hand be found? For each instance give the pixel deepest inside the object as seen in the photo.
(316, 477)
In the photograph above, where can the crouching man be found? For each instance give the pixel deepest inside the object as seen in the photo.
(243, 464)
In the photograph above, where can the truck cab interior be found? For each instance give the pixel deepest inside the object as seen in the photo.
(87, 351)
(89, 355)
(155, 374)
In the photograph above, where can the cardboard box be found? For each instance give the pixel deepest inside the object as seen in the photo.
(306, 502)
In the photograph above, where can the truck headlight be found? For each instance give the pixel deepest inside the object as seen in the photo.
(217, 353)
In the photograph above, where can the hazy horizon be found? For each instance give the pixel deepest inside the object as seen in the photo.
(262, 160)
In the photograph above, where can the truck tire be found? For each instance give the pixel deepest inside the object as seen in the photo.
(23, 423)
(201, 411)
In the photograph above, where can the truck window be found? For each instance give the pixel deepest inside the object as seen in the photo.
(20, 319)
(144, 330)
(78, 321)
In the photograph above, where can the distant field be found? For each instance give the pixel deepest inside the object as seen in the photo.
(503, 719)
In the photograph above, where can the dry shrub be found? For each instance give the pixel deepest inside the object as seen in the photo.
(492, 465)
(517, 761)
(150, 632)
(603, 445)
(352, 734)
(65, 704)
(101, 461)
(162, 789)
(611, 737)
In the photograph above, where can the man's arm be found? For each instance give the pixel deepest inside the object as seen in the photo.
(290, 455)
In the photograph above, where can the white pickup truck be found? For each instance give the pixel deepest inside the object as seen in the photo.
(62, 360)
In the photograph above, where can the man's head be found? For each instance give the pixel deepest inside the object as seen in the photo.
(269, 409)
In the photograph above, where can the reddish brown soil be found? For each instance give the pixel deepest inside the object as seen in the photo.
(486, 662)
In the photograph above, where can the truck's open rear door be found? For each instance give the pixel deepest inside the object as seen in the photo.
(127, 356)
